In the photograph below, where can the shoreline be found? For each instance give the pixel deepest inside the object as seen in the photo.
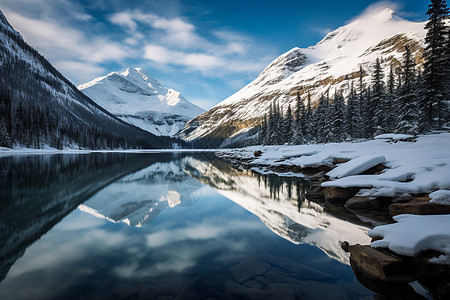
(359, 182)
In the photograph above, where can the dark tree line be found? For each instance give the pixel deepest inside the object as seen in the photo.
(407, 100)
(39, 107)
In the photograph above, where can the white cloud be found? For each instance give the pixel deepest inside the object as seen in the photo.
(71, 50)
(177, 42)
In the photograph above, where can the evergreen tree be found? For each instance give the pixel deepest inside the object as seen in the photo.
(308, 132)
(377, 104)
(435, 64)
(300, 122)
(337, 118)
(408, 122)
(287, 126)
(5, 140)
(390, 101)
(352, 115)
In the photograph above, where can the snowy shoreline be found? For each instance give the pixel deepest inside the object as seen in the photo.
(413, 167)
(416, 167)
(410, 175)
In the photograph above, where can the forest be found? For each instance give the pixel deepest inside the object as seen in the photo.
(412, 100)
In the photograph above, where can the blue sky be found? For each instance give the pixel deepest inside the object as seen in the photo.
(207, 50)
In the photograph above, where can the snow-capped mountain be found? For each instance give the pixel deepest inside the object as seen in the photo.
(49, 110)
(328, 66)
(139, 99)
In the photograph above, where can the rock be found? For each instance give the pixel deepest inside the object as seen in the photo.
(376, 238)
(380, 266)
(315, 192)
(247, 269)
(419, 208)
(338, 195)
(374, 170)
(257, 153)
(424, 268)
(325, 168)
(386, 290)
(362, 202)
(243, 292)
(322, 291)
(345, 246)
(282, 168)
(337, 160)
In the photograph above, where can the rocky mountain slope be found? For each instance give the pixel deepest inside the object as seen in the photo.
(136, 97)
(328, 66)
(40, 107)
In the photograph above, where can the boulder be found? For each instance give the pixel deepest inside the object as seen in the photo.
(380, 266)
(338, 195)
(362, 202)
(419, 208)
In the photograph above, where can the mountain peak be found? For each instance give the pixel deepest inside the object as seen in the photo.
(138, 98)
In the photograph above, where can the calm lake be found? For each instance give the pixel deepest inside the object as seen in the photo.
(166, 226)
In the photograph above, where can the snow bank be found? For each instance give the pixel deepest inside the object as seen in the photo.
(440, 197)
(394, 136)
(412, 168)
(414, 233)
(356, 166)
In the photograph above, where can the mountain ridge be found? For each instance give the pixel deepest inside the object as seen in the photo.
(326, 67)
(41, 108)
(136, 97)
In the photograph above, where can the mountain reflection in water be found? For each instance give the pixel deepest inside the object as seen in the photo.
(194, 234)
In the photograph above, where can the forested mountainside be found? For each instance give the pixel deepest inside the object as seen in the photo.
(39, 107)
(362, 64)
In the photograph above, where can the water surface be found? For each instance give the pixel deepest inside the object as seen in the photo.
(166, 226)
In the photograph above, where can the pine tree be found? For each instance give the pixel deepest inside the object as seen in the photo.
(377, 104)
(300, 122)
(408, 122)
(435, 64)
(309, 122)
(5, 140)
(390, 101)
(352, 115)
(337, 118)
(287, 126)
